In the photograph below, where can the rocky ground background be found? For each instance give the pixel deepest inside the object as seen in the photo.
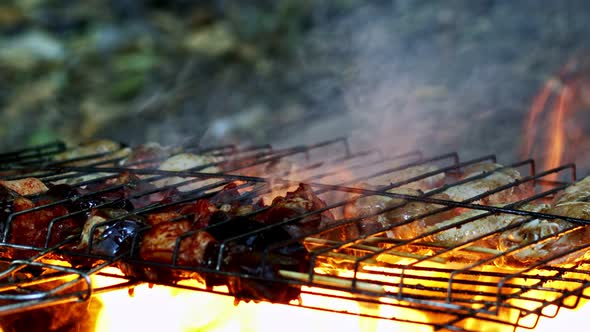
(401, 74)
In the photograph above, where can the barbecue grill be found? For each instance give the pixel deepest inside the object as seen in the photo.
(446, 292)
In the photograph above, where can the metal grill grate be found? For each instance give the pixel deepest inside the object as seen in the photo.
(450, 285)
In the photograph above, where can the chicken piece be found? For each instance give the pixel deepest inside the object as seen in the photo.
(226, 200)
(404, 219)
(415, 217)
(96, 147)
(32, 228)
(373, 207)
(468, 231)
(26, 186)
(411, 172)
(166, 241)
(164, 216)
(494, 180)
(569, 203)
(187, 161)
(160, 244)
(195, 247)
(577, 192)
(296, 203)
(533, 231)
(147, 155)
(103, 150)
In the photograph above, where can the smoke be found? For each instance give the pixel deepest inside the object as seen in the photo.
(438, 77)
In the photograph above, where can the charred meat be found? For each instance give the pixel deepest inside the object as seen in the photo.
(209, 235)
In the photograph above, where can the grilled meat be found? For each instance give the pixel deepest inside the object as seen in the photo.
(97, 147)
(415, 218)
(429, 182)
(402, 219)
(128, 187)
(193, 239)
(148, 155)
(253, 255)
(165, 239)
(98, 152)
(25, 187)
(62, 211)
(294, 204)
(561, 235)
(472, 224)
(188, 161)
(373, 208)
(40, 223)
(577, 192)
(32, 228)
(497, 176)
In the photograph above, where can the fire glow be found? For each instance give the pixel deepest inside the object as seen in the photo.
(202, 311)
(402, 282)
(159, 308)
(556, 134)
(156, 308)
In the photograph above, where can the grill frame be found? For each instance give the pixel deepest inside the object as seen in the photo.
(461, 312)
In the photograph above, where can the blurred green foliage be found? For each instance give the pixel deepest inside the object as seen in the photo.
(82, 69)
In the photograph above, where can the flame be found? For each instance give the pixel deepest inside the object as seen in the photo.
(534, 113)
(557, 131)
(161, 308)
(556, 138)
(169, 309)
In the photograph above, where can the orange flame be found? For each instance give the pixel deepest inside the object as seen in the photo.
(533, 116)
(556, 138)
(169, 309)
(557, 131)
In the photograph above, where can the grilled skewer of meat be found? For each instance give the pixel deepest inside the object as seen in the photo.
(36, 228)
(191, 236)
(39, 222)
